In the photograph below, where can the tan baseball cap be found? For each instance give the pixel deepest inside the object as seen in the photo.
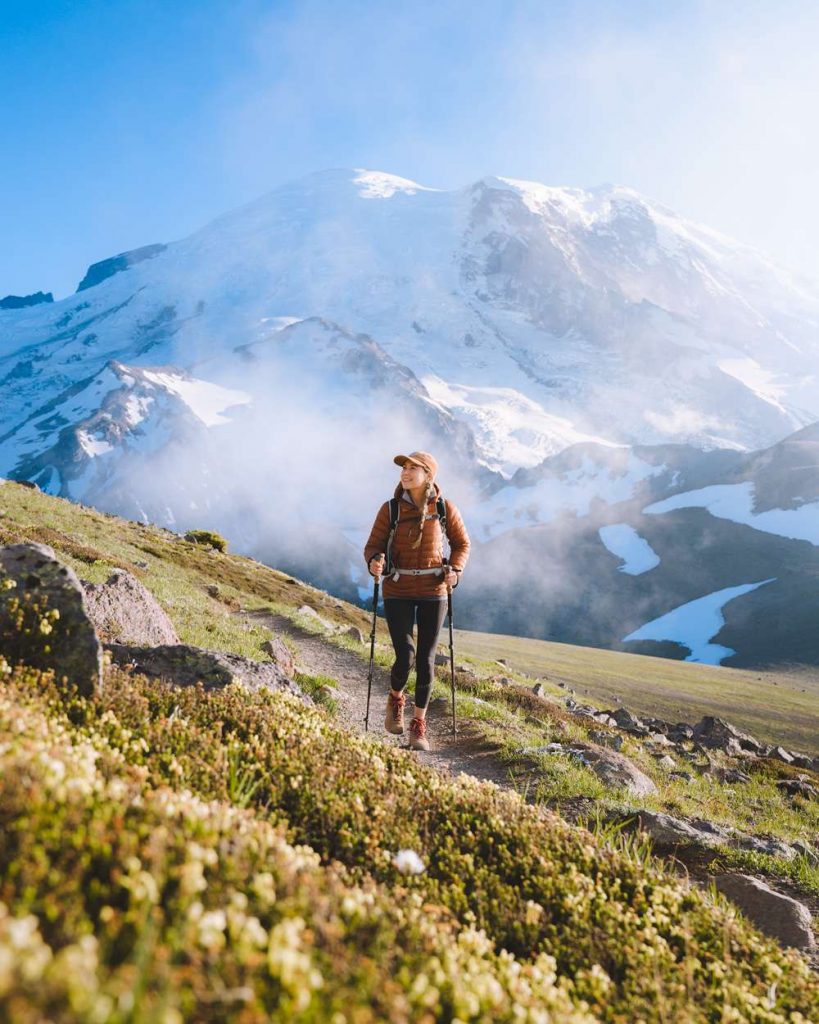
(420, 458)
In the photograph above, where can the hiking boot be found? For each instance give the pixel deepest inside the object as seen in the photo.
(394, 720)
(418, 734)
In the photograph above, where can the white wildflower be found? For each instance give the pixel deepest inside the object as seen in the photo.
(408, 862)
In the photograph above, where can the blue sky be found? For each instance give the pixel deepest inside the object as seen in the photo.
(127, 122)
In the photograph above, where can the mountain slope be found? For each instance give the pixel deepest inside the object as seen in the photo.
(562, 351)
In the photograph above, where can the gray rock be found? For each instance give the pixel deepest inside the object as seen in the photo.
(613, 740)
(734, 775)
(802, 761)
(305, 609)
(279, 653)
(715, 733)
(43, 585)
(680, 731)
(805, 850)
(781, 754)
(125, 612)
(666, 761)
(626, 720)
(538, 690)
(660, 739)
(615, 769)
(441, 659)
(184, 665)
(668, 831)
(710, 827)
(774, 913)
(683, 776)
(798, 787)
(356, 634)
(770, 847)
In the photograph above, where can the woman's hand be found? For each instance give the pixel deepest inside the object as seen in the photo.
(376, 565)
(451, 577)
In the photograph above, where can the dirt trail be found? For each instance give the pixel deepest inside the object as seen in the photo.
(469, 752)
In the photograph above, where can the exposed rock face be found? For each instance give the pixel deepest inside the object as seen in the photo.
(184, 665)
(21, 301)
(98, 272)
(125, 612)
(772, 912)
(58, 633)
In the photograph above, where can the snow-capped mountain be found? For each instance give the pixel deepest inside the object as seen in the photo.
(562, 351)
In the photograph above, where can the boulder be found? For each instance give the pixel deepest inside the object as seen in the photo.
(614, 769)
(798, 787)
(715, 733)
(355, 633)
(774, 913)
(184, 665)
(680, 731)
(626, 720)
(57, 632)
(280, 654)
(607, 739)
(666, 830)
(781, 754)
(126, 612)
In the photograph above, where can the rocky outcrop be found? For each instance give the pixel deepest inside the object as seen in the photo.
(184, 665)
(44, 622)
(21, 301)
(124, 611)
(99, 272)
(774, 913)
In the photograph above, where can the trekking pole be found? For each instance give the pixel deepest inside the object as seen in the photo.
(451, 652)
(372, 653)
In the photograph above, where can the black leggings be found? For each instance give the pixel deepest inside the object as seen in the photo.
(400, 614)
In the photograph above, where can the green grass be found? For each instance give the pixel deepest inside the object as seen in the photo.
(154, 819)
(492, 861)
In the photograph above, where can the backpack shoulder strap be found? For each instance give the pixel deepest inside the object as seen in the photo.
(395, 513)
(440, 506)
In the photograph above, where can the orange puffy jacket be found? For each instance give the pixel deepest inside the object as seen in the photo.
(427, 555)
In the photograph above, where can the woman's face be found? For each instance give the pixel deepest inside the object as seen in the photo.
(413, 475)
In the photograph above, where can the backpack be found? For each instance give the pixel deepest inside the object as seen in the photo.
(395, 512)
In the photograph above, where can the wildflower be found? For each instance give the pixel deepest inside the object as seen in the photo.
(408, 862)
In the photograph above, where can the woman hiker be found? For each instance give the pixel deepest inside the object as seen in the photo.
(417, 583)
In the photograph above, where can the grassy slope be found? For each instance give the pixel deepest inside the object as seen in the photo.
(178, 573)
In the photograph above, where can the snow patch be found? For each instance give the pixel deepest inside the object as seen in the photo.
(735, 502)
(205, 400)
(694, 624)
(623, 541)
(379, 185)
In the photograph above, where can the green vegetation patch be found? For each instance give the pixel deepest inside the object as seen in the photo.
(624, 937)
